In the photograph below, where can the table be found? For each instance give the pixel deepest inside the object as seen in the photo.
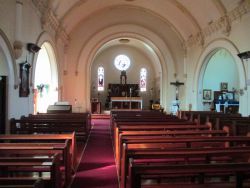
(126, 103)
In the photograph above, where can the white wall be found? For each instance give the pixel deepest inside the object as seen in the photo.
(3, 65)
(221, 68)
(197, 55)
(29, 33)
(112, 75)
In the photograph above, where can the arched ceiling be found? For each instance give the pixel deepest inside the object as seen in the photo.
(187, 17)
(177, 23)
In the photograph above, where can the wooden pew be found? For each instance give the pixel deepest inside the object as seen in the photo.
(157, 134)
(210, 116)
(22, 165)
(149, 122)
(154, 127)
(115, 113)
(85, 117)
(21, 182)
(141, 116)
(45, 138)
(203, 117)
(141, 120)
(185, 156)
(40, 149)
(199, 171)
(132, 144)
(148, 125)
(235, 126)
(47, 126)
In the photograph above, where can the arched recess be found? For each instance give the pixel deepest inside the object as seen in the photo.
(208, 52)
(9, 54)
(12, 81)
(45, 78)
(90, 49)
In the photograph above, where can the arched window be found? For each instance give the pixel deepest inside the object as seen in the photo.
(100, 83)
(45, 82)
(143, 79)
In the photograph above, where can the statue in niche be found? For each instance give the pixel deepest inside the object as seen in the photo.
(123, 78)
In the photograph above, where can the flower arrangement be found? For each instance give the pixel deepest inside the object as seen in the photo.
(40, 88)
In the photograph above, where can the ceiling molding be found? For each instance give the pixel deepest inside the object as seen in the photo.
(50, 22)
(76, 5)
(223, 24)
(187, 14)
(221, 8)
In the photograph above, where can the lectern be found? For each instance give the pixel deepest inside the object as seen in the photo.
(96, 107)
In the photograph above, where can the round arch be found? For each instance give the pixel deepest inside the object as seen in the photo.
(13, 79)
(203, 60)
(47, 44)
(89, 50)
(9, 55)
(46, 40)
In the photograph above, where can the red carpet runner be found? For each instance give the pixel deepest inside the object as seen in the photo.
(97, 167)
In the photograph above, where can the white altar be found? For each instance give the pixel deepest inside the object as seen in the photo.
(126, 103)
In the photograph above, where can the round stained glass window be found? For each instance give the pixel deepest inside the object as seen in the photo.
(122, 62)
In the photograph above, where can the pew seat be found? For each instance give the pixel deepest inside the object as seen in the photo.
(37, 150)
(15, 168)
(22, 182)
(240, 171)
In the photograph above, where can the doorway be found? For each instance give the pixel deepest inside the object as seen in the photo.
(3, 100)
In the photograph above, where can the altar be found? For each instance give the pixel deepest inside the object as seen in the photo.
(126, 103)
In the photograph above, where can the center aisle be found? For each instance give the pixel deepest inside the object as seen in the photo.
(97, 167)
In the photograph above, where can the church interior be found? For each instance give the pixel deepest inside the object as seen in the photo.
(128, 93)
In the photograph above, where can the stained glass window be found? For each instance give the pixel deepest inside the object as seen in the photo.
(143, 79)
(100, 73)
(122, 62)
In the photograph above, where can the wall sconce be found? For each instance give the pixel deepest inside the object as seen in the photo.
(18, 49)
(244, 55)
(33, 48)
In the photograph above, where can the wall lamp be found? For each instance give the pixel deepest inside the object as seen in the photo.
(244, 55)
(33, 48)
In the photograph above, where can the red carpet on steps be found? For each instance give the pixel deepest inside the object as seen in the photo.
(97, 166)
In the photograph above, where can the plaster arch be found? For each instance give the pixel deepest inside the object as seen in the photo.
(203, 60)
(159, 48)
(13, 79)
(11, 62)
(46, 40)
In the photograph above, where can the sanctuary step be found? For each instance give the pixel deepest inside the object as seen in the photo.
(100, 116)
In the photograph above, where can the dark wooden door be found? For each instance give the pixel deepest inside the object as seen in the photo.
(3, 100)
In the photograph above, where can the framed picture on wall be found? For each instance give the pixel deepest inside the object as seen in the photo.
(207, 94)
(223, 86)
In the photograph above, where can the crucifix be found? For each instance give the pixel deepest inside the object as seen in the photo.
(177, 84)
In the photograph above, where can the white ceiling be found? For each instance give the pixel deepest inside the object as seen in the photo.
(173, 21)
(185, 16)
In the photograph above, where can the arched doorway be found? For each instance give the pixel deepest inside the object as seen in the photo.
(46, 79)
(220, 83)
(139, 57)
(3, 91)
(8, 76)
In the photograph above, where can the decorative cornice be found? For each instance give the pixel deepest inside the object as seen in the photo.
(50, 22)
(223, 24)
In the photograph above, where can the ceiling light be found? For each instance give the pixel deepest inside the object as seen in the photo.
(124, 40)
